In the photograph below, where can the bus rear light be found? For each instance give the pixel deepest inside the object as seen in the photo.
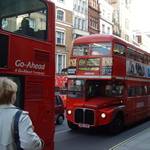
(69, 112)
(103, 115)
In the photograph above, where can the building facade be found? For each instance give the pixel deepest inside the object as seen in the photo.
(122, 14)
(142, 39)
(93, 17)
(80, 18)
(64, 11)
(106, 13)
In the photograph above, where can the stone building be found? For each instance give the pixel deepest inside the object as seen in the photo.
(93, 17)
(122, 19)
(64, 20)
(106, 13)
(80, 18)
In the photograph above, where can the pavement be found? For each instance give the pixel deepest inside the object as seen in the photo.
(140, 141)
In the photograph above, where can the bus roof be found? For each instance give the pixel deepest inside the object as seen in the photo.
(93, 38)
(97, 38)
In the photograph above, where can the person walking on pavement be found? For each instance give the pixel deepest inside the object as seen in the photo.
(29, 140)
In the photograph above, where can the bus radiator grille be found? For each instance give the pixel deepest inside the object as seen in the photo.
(84, 116)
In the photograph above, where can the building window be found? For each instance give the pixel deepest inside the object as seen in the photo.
(127, 25)
(62, 0)
(75, 5)
(94, 22)
(83, 24)
(32, 22)
(103, 13)
(79, 23)
(108, 30)
(59, 37)
(103, 28)
(108, 16)
(60, 62)
(127, 37)
(75, 22)
(79, 5)
(60, 15)
(83, 7)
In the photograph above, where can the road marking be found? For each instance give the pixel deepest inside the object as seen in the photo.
(62, 131)
(129, 139)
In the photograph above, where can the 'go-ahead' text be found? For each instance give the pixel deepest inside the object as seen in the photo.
(30, 65)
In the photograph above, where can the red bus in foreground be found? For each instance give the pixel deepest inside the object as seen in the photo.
(60, 87)
(108, 83)
(27, 55)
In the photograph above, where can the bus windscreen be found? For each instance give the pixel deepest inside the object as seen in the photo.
(101, 48)
(80, 50)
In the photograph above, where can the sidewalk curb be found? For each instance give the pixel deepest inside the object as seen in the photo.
(130, 139)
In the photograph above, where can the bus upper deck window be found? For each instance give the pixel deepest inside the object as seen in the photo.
(119, 50)
(131, 54)
(80, 50)
(140, 57)
(101, 48)
(25, 17)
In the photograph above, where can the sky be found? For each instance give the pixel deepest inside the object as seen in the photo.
(141, 15)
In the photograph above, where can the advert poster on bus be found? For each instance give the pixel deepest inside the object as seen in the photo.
(137, 69)
(72, 66)
(107, 65)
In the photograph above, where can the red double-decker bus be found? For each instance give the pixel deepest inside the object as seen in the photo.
(60, 87)
(108, 83)
(27, 55)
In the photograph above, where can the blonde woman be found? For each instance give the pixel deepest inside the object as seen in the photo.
(29, 140)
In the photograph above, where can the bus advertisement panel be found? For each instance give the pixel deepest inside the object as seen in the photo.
(108, 83)
(27, 55)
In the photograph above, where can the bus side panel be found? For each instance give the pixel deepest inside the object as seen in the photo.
(39, 101)
(141, 108)
(119, 66)
(130, 109)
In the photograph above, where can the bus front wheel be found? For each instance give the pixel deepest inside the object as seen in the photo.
(72, 125)
(116, 125)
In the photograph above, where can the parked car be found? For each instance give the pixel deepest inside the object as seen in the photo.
(59, 110)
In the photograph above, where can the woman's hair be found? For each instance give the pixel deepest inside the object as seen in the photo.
(7, 89)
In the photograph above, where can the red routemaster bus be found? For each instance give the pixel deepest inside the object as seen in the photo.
(27, 55)
(108, 83)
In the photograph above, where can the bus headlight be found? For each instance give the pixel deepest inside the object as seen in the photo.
(103, 115)
(69, 112)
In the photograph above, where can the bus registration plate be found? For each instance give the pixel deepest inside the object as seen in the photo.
(84, 125)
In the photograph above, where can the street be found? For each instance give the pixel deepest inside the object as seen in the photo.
(90, 139)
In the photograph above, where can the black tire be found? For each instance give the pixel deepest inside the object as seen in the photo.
(60, 119)
(116, 125)
(72, 125)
